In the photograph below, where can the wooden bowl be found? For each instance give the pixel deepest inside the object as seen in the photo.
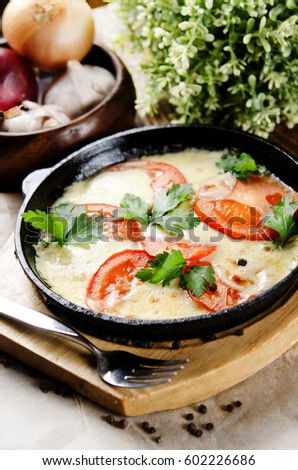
(23, 152)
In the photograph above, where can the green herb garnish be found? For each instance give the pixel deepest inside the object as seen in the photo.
(133, 207)
(197, 278)
(165, 268)
(241, 166)
(169, 266)
(168, 199)
(174, 222)
(66, 224)
(166, 210)
(283, 220)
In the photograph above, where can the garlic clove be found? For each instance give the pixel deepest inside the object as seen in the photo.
(35, 117)
(80, 88)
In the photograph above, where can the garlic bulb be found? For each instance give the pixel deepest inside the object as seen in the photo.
(35, 117)
(80, 88)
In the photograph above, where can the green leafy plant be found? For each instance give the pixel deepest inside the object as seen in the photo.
(228, 62)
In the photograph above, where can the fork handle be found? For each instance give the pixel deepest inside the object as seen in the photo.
(42, 321)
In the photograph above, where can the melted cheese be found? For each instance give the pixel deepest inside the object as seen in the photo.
(68, 269)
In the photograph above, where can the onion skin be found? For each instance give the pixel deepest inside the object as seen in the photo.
(17, 80)
(49, 32)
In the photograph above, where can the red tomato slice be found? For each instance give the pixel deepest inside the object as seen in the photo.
(190, 250)
(162, 174)
(239, 214)
(119, 229)
(223, 297)
(220, 299)
(113, 278)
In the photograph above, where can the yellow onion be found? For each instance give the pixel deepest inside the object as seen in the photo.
(49, 32)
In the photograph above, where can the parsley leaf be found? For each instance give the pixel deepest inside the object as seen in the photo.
(162, 212)
(48, 223)
(197, 278)
(169, 266)
(165, 268)
(283, 220)
(67, 224)
(168, 199)
(133, 207)
(177, 220)
(241, 166)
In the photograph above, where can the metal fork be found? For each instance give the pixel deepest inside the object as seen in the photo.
(119, 368)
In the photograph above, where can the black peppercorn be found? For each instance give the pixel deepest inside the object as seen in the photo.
(237, 403)
(202, 409)
(145, 425)
(192, 428)
(123, 423)
(209, 426)
(230, 407)
(189, 417)
(151, 430)
(212, 287)
(242, 262)
(110, 419)
(239, 332)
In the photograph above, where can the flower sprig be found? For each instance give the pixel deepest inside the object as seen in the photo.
(228, 62)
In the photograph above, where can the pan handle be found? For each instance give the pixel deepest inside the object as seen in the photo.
(33, 180)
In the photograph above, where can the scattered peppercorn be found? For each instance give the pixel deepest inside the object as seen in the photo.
(189, 417)
(209, 426)
(123, 423)
(158, 440)
(237, 403)
(145, 425)
(6, 360)
(63, 390)
(192, 428)
(110, 419)
(45, 387)
(210, 337)
(202, 409)
(212, 287)
(194, 431)
(151, 430)
(239, 332)
(230, 407)
(242, 262)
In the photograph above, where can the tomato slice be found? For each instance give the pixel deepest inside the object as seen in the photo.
(219, 299)
(191, 251)
(240, 212)
(118, 228)
(162, 174)
(113, 278)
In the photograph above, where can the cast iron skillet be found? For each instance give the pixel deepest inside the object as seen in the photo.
(133, 144)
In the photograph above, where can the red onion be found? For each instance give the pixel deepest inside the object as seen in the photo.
(17, 80)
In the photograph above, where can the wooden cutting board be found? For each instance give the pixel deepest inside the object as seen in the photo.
(213, 366)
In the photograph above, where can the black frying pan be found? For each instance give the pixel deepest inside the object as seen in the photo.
(134, 144)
